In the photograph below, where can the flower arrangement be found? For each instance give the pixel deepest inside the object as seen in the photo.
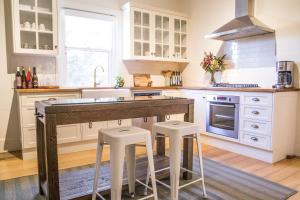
(212, 64)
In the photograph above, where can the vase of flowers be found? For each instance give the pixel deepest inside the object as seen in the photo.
(213, 64)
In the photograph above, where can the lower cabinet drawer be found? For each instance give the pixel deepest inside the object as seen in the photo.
(119, 123)
(256, 113)
(257, 127)
(65, 134)
(259, 141)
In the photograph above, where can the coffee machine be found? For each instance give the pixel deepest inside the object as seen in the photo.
(285, 74)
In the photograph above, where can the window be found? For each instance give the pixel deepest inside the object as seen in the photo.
(88, 40)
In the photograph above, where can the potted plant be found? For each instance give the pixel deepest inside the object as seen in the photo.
(213, 64)
(119, 82)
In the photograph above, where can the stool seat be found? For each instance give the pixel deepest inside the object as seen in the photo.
(126, 135)
(176, 127)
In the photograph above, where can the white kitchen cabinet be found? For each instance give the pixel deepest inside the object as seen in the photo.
(90, 130)
(199, 106)
(119, 123)
(34, 26)
(154, 34)
(65, 133)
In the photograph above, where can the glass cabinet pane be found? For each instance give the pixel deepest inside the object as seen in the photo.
(146, 34)
(146, 19)
(44, 5)
(158, 22)
(28, 40)
(166, 23)
(158, 50)
(27, 20)
(183, 26)
(27, 4)
(177, 25)
(146, 49)
(45, 41)
(166, 51)
(166, 38)
(137, 18)
(137, 49)
(158, 36)
(137, 33)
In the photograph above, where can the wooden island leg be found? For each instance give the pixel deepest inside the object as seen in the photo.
(51, 159)
(188, 146)
(161, 141)
(40, 138)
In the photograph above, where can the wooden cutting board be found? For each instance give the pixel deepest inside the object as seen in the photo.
(141, 80)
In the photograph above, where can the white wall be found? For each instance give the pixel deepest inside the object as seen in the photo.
(9, 138)
(208, 15)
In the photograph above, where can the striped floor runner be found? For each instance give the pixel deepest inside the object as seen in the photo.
(222, 182)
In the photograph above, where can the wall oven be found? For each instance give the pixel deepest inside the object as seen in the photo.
(222, 115)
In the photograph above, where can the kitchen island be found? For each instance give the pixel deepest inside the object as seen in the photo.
(49, 114)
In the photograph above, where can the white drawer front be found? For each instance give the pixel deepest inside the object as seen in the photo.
(90, 130)
(28, 100)
(175, 117)
(256, 113)
(259, 127)
(256, 140)
(65, 134)
(119, 123)
(28, 117)
(258, 99)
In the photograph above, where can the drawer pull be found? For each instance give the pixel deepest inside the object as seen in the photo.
(145, 119)
(255, 126)
(39, 115)
(255, 139)
(255, 112)
(119, 122)
(52, 99)
(255, 99)
(168, 117)
(90, 125)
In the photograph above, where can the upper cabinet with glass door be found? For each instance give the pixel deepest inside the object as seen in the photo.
(154, 34)
(35, 26)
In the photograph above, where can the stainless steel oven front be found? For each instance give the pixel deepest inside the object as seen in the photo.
(222, 115)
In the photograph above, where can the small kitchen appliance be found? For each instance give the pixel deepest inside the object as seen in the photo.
(222, 115)
(285, 71)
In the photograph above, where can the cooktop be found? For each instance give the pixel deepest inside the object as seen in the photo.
(228, 85)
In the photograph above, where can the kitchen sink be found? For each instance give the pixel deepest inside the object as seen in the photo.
(105, 93)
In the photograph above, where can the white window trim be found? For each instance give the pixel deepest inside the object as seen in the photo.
(115, 56)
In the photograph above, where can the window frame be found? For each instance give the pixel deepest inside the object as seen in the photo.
(94, 13)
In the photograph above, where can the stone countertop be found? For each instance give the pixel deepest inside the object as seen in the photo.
(57, 89)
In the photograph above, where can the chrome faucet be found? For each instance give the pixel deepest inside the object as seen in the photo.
(95, 75)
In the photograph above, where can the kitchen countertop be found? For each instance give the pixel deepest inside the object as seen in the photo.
(56, 89)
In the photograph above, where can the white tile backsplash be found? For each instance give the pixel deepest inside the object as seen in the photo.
(250, 60)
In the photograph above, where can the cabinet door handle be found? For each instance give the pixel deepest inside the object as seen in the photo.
(145, 119)
(255, 112)
(255, 126)
(168, 117)
(90, 125)
(255, 99)
(119, 122)
(255, 139)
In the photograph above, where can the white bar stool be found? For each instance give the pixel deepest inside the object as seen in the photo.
(176, 131)
(121, 140)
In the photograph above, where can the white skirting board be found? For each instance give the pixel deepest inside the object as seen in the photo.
(263, 155)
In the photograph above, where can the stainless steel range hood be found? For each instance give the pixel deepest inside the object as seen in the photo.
(244, 25)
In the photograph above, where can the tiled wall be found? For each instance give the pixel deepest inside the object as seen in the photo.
(250, 60)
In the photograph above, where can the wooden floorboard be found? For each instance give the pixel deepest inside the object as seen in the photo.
(285, 172)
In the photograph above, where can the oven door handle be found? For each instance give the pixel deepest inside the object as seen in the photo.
(222, 105)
